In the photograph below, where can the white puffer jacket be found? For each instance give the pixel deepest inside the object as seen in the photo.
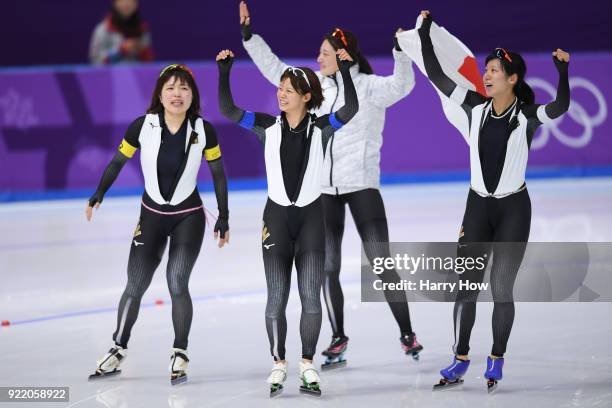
(352, 162)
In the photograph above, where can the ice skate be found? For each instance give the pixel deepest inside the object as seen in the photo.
(178, 366)
(108, 366)
(277, 377)
(493, 373)
(452, 375)
(335, 353)
(310, 380)
(411, 346)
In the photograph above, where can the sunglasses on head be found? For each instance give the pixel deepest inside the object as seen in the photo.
(339, 34)
(300, 74)
(176, 66)
(502, 54)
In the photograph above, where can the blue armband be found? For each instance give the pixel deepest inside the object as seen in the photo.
(248, 120)
(336, 124)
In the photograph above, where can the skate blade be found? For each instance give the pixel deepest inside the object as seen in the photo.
(416, 356)
(414, 351)
(491, 386)
(333, 365)
(276, 392)
(98, 375)
(310, 392)
(181, 379)
(448, 385)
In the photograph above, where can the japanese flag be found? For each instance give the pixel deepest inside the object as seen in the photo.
(457, 62)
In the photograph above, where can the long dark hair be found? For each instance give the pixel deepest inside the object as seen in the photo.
(184, 75)
(301, 86)
(337, 40)
(131, 26)
(513, 63)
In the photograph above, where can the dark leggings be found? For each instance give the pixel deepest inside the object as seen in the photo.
(489, 220)
(293, 234)
(369, 215)
(186, 232)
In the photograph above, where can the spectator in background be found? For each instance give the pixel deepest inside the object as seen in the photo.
(121, 37)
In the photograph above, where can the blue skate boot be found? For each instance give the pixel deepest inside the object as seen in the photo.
(493, 373)
(452, 375)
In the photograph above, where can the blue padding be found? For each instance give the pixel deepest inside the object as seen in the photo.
(248, 120)
(336, 124)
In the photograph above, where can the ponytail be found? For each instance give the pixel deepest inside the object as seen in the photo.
(523, 92)
(364, 65)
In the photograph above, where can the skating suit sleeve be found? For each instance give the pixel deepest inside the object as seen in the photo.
(130, 142)
(331, 122)
(212, 150)
(538, 114)
(255, 121)
(126, 150)
(212, 154)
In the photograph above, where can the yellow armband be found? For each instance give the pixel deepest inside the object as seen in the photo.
(127, 149)
(213, 153)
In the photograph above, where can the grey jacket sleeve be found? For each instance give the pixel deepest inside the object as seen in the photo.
(266, 61)
(97, 48)
(385, 91)
(102, 48)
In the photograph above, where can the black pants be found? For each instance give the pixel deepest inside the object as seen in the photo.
(186, 232)
(369, 215)
(293, 234)
(489, 220)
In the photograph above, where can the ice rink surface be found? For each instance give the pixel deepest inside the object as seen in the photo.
(61, 279)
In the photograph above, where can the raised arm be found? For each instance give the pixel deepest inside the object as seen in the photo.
(228, 108)
(257, 122)
(334, 121)
(556, 108)
(126, 150)
(351, 104)
(447, 86)
(270, 66)
(387, 90)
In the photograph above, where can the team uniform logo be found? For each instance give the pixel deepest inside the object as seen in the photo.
(265, 234)
(137, 232)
